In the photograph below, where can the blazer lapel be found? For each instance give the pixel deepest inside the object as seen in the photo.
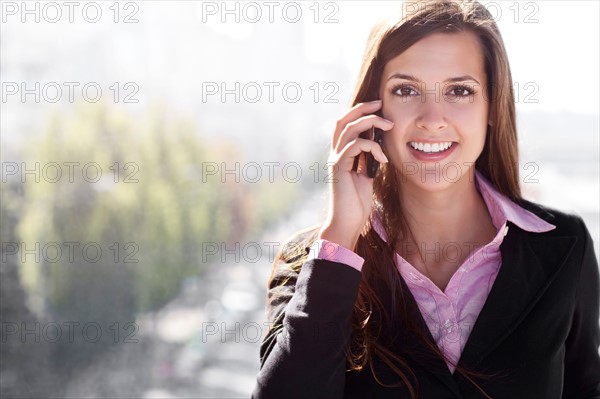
(530, 261)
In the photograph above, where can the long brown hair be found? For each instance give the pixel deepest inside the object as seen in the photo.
(381, 296)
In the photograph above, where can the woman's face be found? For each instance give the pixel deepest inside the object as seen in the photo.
(434, 94)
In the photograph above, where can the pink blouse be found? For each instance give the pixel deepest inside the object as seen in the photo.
(451, 314)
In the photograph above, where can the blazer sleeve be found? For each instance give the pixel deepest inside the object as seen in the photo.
(582, 361)
(304, 353)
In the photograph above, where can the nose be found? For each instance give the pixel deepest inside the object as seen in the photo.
(431, 114)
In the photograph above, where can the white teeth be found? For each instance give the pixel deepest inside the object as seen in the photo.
(429, 148)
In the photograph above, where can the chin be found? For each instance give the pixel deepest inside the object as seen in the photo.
(430, 177)
(427, 182)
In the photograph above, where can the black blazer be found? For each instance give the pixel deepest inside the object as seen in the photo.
(538, 330)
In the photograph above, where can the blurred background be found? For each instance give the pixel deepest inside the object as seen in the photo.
(156, 155)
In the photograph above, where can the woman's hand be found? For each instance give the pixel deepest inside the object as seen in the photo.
(351, 193)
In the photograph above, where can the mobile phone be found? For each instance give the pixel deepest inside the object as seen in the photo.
(372, 166)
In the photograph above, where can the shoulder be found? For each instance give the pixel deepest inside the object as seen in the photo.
(570, 227)
(288, 262)
(567, 223)
(296, 246)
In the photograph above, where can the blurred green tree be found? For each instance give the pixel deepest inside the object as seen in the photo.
(133, 189)
(109, 214)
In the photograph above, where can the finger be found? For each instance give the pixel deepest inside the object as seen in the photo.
(353, 129)
(356, 147)
(360, 109)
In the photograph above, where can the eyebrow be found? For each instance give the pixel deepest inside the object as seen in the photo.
(449, 80)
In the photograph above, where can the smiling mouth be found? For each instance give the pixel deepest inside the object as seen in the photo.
(431, 148)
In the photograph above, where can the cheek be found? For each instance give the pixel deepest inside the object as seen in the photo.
(470, 119)
(392, 139)
(403, 115)
(394, 143)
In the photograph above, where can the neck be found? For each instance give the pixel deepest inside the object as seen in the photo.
(445, 227)
(456, 214)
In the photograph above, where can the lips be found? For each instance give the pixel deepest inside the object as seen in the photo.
(431, 151)
(430, 147)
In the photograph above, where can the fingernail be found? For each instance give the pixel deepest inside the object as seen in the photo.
(375, 101)
(388, 121)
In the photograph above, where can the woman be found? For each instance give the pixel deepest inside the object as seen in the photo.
(435, 279)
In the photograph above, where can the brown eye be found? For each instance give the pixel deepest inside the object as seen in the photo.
(405, 91)
(461, 91)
